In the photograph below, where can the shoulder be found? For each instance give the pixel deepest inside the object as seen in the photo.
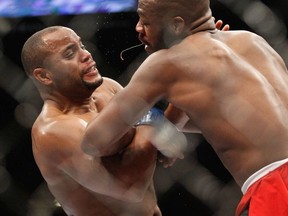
(55, 141)
(110, 84)
(243, 38)
(157, 65)
(247, 34)
(57, 126)
(55, 137)
(160, 57)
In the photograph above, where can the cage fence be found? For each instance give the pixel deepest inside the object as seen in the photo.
(197, 185)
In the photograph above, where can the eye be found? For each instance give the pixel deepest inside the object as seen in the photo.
(145, 23)
(83, 46)
(69, 54)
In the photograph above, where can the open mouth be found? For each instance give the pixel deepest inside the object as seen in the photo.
(92, 71)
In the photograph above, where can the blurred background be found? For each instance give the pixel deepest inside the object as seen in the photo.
(198, 185)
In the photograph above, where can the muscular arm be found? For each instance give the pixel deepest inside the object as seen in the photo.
(126, 108)
(124, 176)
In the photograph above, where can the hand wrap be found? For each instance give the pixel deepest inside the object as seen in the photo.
(154, 115)
(165, 137)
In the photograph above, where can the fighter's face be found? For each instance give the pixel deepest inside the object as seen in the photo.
(150, 27)
(71, 65)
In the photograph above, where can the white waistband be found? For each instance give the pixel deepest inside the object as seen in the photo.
(260, 173)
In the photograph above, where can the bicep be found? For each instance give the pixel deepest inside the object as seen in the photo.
(57, 150)
(61, 156)
(113, 176)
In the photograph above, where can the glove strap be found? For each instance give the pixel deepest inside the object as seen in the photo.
(152, 117)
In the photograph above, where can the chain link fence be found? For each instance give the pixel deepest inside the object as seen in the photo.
(198, 185)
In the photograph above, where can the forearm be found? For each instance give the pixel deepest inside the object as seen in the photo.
(104, 137)
(165, 136)
(139, 162)
(134, 167)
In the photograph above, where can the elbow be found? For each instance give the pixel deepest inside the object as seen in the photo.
(137, 198)
(88, 148)
(97, 145)
(99, 142)
(92, 146)
(134, 196)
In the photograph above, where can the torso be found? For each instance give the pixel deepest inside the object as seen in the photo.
(75, 199)
(236, 97)
(78, 201)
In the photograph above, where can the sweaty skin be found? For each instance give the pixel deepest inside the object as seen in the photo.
(119, 183)
(231, 86)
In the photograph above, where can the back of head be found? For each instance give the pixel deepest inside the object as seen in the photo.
(34, 52)
(189, 10)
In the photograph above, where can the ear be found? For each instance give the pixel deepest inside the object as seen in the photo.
(178, 25)
(42, 75)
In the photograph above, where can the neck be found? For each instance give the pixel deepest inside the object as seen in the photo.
(204, 23)
(67, 105)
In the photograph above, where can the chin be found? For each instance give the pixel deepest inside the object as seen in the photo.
(95, 84)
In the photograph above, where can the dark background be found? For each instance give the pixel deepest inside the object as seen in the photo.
(198, 185)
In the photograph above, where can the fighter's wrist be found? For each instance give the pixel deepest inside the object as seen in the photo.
(152, 117)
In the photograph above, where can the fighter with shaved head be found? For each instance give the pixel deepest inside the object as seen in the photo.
(231, 86)
(116, 184)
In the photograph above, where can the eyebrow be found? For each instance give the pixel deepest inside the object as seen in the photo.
(71, 45)
(139, 11)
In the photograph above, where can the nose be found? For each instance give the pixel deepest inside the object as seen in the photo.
(139, 27)
(86, 56)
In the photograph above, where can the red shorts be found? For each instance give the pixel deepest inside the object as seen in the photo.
(268, 196)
